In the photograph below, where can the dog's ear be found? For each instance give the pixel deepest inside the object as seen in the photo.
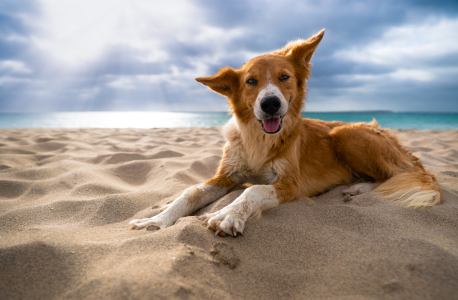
(301, 51)
(224, 83)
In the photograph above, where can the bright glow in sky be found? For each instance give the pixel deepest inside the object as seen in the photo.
(78, 31)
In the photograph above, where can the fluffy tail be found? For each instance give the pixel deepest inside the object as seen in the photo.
(413, 188)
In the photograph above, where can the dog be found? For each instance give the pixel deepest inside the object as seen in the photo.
(286, 157)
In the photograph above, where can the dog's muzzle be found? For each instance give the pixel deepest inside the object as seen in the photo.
(270, 105)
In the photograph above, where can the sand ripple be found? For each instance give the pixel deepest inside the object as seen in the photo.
(66, 197)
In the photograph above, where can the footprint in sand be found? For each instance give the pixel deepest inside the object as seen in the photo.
(224, 254)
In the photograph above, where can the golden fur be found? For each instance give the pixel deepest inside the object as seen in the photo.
(293, 157)
(314, 155)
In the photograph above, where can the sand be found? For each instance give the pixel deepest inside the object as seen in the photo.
(66, 197)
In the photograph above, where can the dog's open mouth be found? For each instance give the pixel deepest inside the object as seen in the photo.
(272, 125)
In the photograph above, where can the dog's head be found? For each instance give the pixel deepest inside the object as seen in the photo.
(269, 88)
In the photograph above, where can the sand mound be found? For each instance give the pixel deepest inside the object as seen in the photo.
(66, 197)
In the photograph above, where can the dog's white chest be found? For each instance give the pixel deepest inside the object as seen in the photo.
(248, 156)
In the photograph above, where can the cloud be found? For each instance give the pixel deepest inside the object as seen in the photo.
(409, 45)
(13, 66)
(417, 64)
(144, 55)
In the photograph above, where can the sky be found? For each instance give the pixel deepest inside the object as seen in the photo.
(143, 55)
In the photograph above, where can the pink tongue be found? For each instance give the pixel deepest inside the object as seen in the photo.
(271, 125)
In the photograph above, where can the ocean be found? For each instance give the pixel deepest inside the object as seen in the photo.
(404, 120)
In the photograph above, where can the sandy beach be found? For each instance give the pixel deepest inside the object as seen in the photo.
(67, 195)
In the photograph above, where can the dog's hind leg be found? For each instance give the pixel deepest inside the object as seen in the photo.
(369, 150)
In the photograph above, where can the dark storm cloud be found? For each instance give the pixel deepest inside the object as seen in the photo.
(325, 67)
(269, 26)
(125, 77)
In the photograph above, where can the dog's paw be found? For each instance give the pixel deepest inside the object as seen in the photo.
(225, 222)
(143, 223)
(360, 188)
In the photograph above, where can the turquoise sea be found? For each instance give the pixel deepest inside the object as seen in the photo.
(404, 120)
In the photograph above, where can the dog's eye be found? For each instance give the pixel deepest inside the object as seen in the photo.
(252, 81)
(283, 77)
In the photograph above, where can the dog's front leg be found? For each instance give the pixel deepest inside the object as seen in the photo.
(231, 219)
(192, 199)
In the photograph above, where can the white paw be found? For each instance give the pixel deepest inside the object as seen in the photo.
(360, 188)
(226, 221)
(143, 223)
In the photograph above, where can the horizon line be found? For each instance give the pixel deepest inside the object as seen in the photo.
(196, 111)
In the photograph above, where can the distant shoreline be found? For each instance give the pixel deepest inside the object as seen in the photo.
(93, 119)
(210, 112)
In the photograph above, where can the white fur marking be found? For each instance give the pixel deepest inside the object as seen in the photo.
(192, 199)
(231, 219)
(270, 90)
(360, 188)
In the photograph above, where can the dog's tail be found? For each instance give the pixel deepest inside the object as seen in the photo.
(414, 188)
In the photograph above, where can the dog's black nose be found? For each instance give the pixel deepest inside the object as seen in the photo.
(270, 104)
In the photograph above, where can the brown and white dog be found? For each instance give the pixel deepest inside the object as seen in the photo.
(286, 157)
